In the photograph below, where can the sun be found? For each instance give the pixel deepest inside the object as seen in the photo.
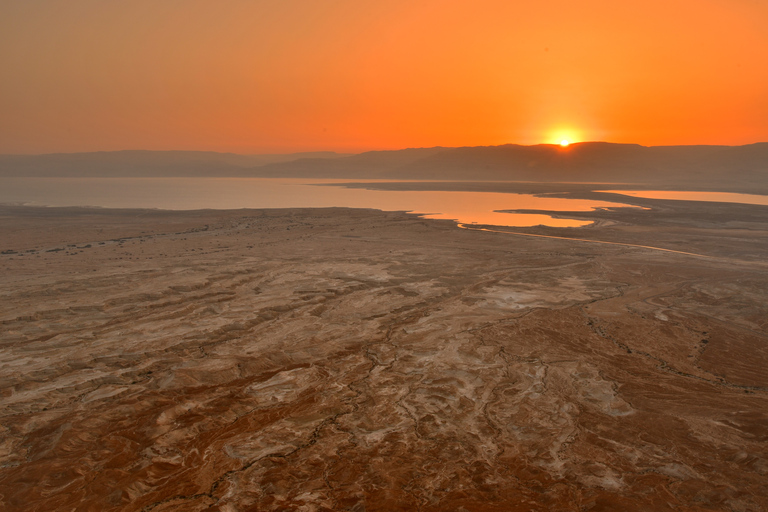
(563, 136)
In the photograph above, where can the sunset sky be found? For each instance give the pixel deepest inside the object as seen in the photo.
(272, 76)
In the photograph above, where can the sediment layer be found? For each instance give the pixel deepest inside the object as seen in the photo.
(358, 360)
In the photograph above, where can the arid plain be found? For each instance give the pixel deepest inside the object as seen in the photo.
(338, 359)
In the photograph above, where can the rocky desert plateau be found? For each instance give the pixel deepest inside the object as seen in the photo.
(350, 359)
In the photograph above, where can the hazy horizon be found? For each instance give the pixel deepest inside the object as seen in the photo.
(372, 150)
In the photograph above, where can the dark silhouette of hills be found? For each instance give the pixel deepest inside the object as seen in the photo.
(693, 167)
(141, 163)
(582, 162)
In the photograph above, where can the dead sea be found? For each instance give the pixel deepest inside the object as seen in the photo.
(460, 204)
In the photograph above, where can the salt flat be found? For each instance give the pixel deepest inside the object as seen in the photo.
(341, 359)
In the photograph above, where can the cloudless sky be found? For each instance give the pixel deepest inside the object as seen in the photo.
(271, 76)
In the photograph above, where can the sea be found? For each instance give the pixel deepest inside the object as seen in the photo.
(235, 193)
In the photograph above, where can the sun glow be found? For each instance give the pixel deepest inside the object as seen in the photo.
(563, 136)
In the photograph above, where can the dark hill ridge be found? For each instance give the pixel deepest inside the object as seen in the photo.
(512, 161)
(704, 167)
(142, 163)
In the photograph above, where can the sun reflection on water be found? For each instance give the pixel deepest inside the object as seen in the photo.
(479, 208)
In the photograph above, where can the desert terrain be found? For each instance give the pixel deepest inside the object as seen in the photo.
(338, 359)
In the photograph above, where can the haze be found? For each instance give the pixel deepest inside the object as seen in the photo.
(260, 77)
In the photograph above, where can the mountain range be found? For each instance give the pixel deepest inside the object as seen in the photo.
(692, 167)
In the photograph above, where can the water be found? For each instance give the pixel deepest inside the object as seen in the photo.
(717, 197)
(234, 193)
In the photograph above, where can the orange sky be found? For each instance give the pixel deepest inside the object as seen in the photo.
(261, 76)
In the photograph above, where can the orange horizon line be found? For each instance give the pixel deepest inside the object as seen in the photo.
(342, 152)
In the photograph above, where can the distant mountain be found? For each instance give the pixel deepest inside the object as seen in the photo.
(704, 167)
(142, 163)
(372, 164)
(582, 162)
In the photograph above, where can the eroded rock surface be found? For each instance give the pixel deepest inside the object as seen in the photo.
(358, 360)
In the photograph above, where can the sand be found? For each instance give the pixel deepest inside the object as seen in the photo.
(341, 359)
